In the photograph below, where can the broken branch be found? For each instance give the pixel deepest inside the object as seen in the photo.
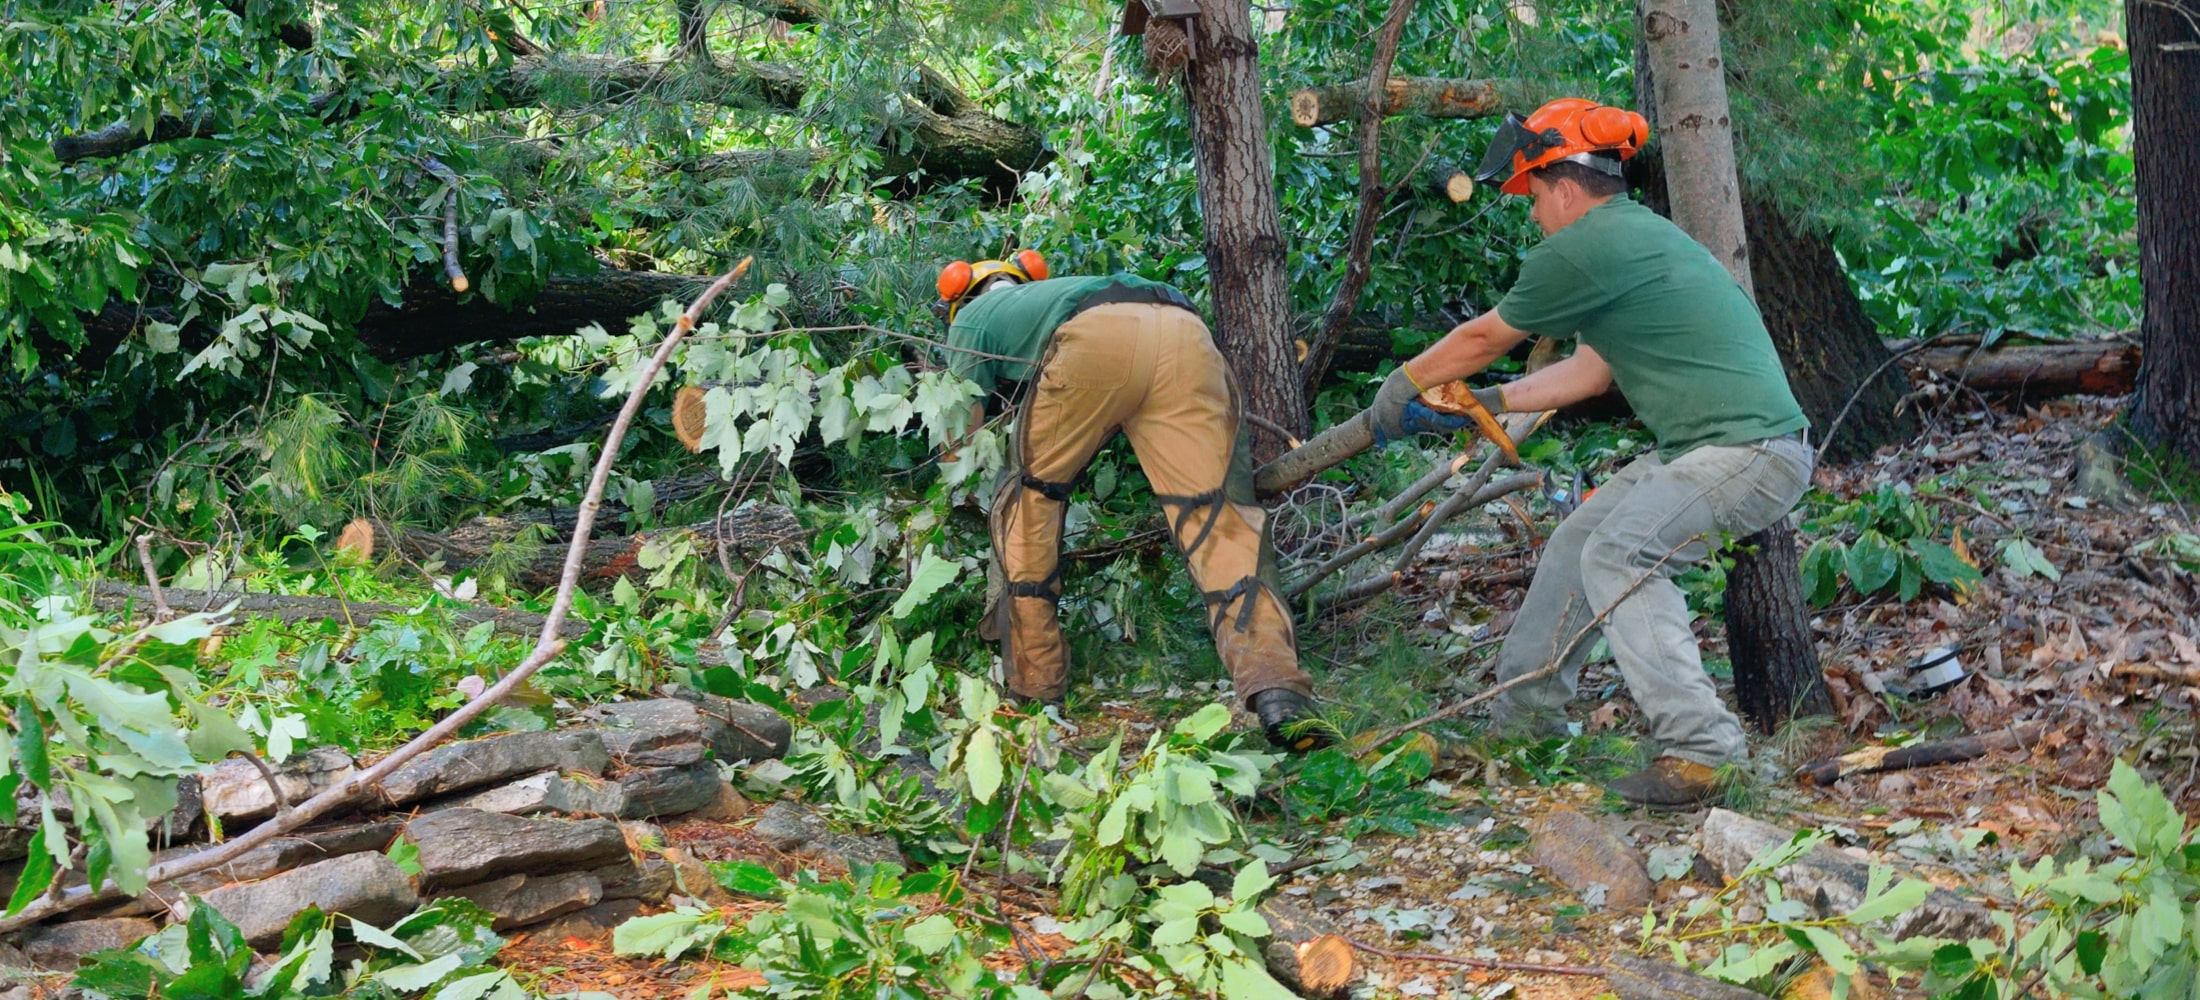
(1874, 760)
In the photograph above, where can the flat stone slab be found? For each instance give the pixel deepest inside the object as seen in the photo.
(520, 900)
(1831, 881)
(464, 846)
(367, 887)
(745, 730)
(58, 946)
(593, 925)
(548, 792)
(649, 880)
(234, 791)
(660, 732)
(797, 830)
(1581, 853)
(669, 791)
(458, 767)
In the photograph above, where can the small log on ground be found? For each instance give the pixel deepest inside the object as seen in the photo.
(532, 547)
(1427, 97)
(1633, 978)
(1306, 952)
(1832, 882)
(2039, 371)
(1873, 760)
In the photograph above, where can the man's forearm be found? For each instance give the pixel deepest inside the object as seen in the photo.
(1563, 383)
(1467, 349)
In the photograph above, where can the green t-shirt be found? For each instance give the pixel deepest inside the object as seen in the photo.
(1016, 322)
(1686, 345)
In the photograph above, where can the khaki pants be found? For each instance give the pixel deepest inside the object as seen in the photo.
(1152, 372)
(1649, 523)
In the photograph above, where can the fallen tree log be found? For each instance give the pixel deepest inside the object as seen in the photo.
(110, 596)
(2038, 371)
(1306, 952)
(529, 549)
(1427, 97)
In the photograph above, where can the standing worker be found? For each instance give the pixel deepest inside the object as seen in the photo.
(1111, 353)
(1656, 314)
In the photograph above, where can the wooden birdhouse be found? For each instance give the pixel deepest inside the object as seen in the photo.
(1137, 12)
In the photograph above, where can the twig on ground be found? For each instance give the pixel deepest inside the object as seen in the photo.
(547, 647)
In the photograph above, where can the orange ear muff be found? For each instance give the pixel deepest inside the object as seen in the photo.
(1032, 264)
(1608, 126)
(1642, 128)
(954, 280)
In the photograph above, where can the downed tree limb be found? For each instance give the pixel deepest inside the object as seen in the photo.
(529, 543)
(1634, 978)
(1306, 952)
(1426, 97)
(795, 12)
(109, 596)
(947, 134)
(2039, 371)
(1873, 760)
(1419, 527)
(547, 646)
(1484, 963)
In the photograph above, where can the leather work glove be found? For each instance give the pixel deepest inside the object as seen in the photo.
(1386, 415)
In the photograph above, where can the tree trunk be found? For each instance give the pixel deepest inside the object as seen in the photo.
(1776, 676)
(1768, 628)
(433, 318)
(1244, 236)
(2165, 125)
(1427, 97)
(1688, 89)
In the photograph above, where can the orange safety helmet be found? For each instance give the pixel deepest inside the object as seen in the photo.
(1570, 128)
(959, 279)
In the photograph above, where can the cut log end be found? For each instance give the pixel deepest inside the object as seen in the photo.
(687, 416)
(459, 283)
(1326, 966)
(1306, 109)
(1459, 187)
(357, 538)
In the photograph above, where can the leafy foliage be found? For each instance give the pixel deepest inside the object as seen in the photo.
(1387, 795)
(1895, 548)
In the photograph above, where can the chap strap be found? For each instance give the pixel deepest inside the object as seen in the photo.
(1049, 589)
(1212, 501)
(1057, 492)
(1247, 590)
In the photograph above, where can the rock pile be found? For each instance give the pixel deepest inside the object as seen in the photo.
(531, 826)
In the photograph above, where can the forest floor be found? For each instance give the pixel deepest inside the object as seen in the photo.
(2104, 655)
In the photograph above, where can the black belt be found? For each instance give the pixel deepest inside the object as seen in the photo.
(1158, 295)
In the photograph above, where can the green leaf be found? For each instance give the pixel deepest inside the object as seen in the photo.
(931, 935)
(406, 856)
(1246, 922)
(1900, 899)
(982, 764)
(2135, 812)
(410, 978)
(1180, 931)
(747, 878)
(1871, 562)
(37, 875)
(1251, 881)
(2091, 947)
(375, 937)
(214, 734)
(1202, 725)
(932, 573)
(1943, 566)
(30, 746)
(472, 987)
(1181, 850)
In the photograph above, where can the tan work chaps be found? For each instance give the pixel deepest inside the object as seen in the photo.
(1151, 371)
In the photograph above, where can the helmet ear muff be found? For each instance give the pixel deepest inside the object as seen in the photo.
(1032, 264)
(954, 280)
(1608, 127)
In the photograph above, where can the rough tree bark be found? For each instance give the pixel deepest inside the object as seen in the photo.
(1244, 234)
(1776, 671)
(2165, 115)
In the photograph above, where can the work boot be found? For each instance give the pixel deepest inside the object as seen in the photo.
(1291, 720)
(1669, 783)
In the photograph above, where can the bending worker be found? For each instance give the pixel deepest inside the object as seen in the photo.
(1656, 314)
(1094, 355)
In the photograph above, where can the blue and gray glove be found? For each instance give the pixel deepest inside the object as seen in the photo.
(1417, 417)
